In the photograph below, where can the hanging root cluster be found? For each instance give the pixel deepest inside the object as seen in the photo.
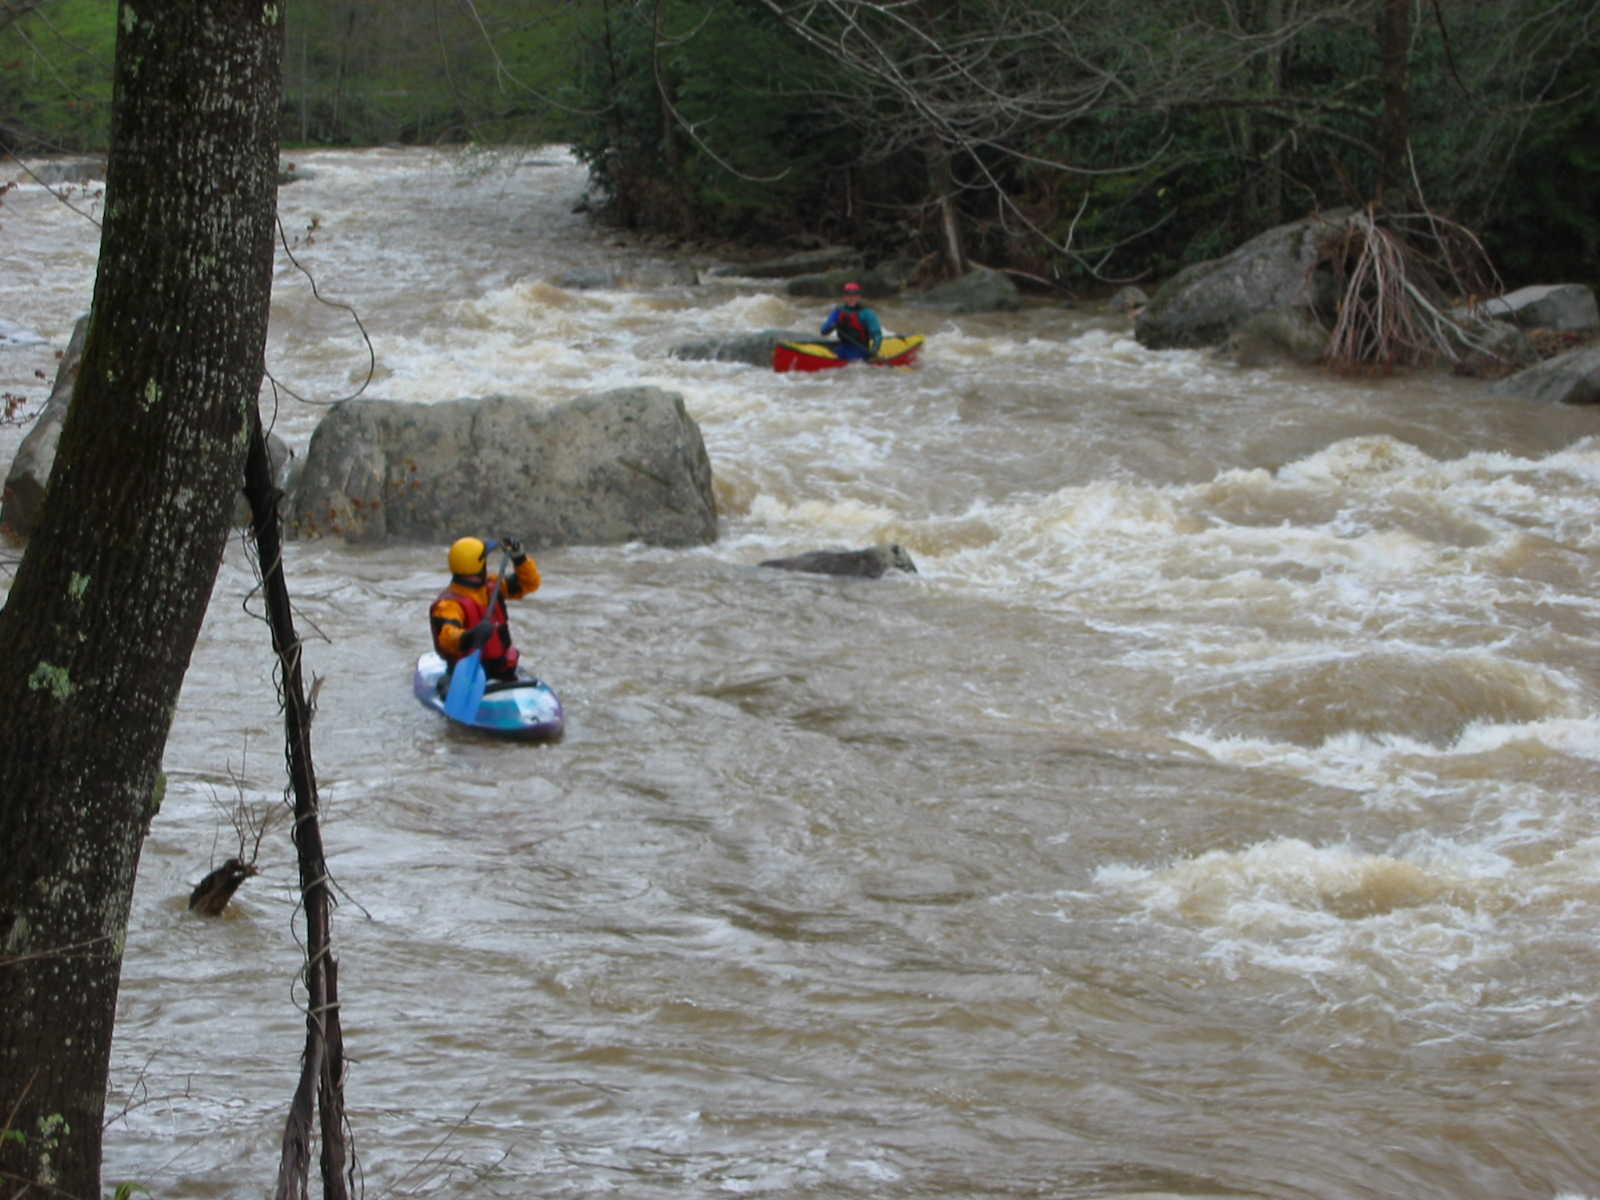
(1394, 274)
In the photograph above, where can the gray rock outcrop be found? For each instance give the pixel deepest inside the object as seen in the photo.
(612, 467)
(1204, 304)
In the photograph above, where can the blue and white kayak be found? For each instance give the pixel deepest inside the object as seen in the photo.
(524, 707)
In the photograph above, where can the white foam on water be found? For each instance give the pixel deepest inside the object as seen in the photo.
(853, 520)
(1395, 772)
(1426, 907)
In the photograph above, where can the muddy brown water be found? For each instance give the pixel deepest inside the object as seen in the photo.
(1213, 813)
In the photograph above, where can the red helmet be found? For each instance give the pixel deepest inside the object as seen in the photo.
(852, 287)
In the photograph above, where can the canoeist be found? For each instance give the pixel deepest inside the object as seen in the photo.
(859, 330)
(460, 616)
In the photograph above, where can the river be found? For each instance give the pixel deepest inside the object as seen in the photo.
(1213, 813)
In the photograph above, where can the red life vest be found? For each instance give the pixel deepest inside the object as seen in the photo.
(852, 328)
(499, 655)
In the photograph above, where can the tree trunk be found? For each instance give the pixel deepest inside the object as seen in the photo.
(1394, 129)
(666, 92)
(1260, 141)
(102, 616)
(942, 189)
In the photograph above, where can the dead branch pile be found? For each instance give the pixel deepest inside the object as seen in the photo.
(1394, 275)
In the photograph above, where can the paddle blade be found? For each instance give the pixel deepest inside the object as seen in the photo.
(467, 683)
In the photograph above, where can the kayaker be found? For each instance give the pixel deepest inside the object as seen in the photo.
(460, 616)
(859, 330)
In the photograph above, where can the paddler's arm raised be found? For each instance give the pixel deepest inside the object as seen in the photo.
(526, 578)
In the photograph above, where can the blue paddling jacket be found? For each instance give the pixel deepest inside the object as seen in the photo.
(859, 330)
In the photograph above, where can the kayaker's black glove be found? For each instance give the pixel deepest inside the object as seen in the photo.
(513, 548)
(477, 637)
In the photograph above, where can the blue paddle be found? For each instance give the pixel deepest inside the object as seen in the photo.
(467, 680)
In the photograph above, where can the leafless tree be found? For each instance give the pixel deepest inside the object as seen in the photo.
(995, 91)
(989, 91)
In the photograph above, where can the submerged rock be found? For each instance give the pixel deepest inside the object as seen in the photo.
(753, 349)
(869, 563)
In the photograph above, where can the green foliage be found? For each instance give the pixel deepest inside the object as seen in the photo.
(55, 77)
(355, 73)
(735, 148)
(716, 119)
(360, 74)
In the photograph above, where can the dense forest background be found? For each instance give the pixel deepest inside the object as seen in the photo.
(1076, 143)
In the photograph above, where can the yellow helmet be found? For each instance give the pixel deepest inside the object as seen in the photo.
(469, 556)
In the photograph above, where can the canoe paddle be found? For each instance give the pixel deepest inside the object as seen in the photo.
(467, 680)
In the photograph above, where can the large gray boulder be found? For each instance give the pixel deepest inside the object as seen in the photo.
(1571, 378)
(612, 467)
(1204, 304)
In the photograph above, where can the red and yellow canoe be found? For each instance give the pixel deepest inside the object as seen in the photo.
(819, 356)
